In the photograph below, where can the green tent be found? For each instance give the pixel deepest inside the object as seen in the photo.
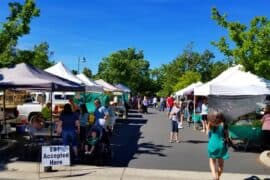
(89, 98)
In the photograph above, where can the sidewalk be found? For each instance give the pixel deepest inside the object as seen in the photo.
(29, 171)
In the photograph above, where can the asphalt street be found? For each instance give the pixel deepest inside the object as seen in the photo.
(142, 141)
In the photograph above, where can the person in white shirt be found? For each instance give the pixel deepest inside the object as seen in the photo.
(174, 116)
(155, 102)
(204, 113)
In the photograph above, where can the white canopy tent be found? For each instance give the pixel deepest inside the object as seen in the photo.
(24, 76)
(123, 88)
(62, 71)
(234, 81)
(234, 92)
(107, 86)
(188, 89)
(242, 83)
(87, 81)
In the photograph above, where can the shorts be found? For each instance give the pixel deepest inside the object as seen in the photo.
(204, 117)
(174, 126)
(69, 137)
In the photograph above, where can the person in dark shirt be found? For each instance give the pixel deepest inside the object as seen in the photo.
(70, 127)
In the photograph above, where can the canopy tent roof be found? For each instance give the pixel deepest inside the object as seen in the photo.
(233, 82)
(107, 86)
(123, 88)
(87, 81)
(24, 76)
(188, 89)
(61, 70)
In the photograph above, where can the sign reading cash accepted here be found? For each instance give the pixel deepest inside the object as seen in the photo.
(55, 155)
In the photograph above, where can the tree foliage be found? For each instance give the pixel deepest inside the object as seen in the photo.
(186, 79)
(247, 45)
(38, 57)
(87, 72)
(126, 66)
(74, 72)
(187, 68)
(18, 25)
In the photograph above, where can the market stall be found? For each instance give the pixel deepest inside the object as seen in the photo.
(23, 76)
(236, 93)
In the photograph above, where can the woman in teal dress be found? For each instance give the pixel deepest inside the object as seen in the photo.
(217, 146)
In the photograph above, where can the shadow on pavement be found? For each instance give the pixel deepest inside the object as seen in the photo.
(150, 148)
(69, 176)
(126, 138)
(125, 141)
(195, 141)
(135, 116)
(135, 121)
(255, 178)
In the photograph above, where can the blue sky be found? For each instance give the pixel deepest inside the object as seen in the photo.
(161, 28)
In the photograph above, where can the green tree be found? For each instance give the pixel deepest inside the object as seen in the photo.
(126, 66)
(87, 72)
(38, 57)
(218, 67)
(246, 45)
(16, 26)
(186, 79)
(75, 72)
(189, 60)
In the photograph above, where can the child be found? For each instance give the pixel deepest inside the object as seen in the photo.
(91, 141)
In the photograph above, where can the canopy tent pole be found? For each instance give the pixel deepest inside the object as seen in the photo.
(51, 130)
(194, 104)
(4, 112)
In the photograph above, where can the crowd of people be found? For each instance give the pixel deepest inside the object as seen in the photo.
(74, 123)
(213, 125)
(79, 129)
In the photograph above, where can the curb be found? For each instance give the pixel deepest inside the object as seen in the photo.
(21, 170)
(264, 158)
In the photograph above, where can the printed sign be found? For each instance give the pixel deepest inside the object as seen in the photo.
(55, 155)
